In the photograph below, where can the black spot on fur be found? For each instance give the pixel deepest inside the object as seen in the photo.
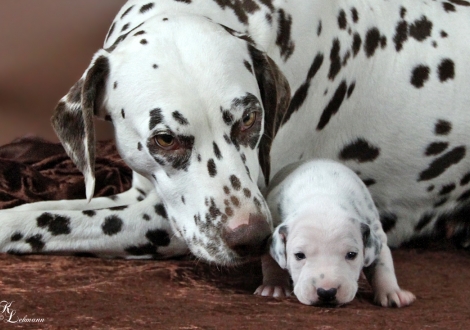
(56, 224)
(247, 192)
(369, 182)
(283, 39)
(126, 12)
(146, 7)
(319, 28)
(143, 41)
(112, 225)
(333, 106)
(217, 152)
(180, 118)
(444, 34)
(211, 168)
(335, 59)
(446, 70)
(155, 118)
(158, 237)
(111, 30)
(448, 7)
(139, 33)
(372, 41)
(401, 35)
(351, 89)
(447, 189)
(359, 150)
(36, 242)
(236, 184)
(436, 148)
(115, 85)
(16, 237)
(123, 113)
(161, 211)
(402, 12)
(424, 221)
(118, 208)
(139, 146)
(248, 66)
(227, 117)
(421, 29)
(355, 15)
(419, 75)
(465, 179)
(146, 217)
(154, 66)
(441, 164)
(388, 220)
(125, 27)
(442, 127)
(89, 213)
(342, 21)
(301, 93)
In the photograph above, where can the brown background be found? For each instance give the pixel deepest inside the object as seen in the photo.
(45, 46)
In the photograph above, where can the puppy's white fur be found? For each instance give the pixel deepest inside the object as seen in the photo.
(328, 230)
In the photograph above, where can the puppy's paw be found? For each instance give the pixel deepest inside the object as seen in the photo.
(276, 291)
(396, 298)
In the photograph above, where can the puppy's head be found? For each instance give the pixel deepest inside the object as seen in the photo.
(194, 107)
(324, 254)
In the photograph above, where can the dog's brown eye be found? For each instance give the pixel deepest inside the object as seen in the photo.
(249, 120)
(165, 141)
(299, 255)
(351, 255)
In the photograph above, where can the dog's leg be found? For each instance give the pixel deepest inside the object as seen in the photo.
(139, 190)
(275, 279)
(140, 230)
(381, 276)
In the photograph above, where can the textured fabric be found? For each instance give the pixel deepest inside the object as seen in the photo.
(32, 169)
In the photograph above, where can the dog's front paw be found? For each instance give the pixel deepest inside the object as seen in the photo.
(396, 298)
(276, 291)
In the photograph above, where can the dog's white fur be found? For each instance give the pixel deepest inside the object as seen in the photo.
(328, 230)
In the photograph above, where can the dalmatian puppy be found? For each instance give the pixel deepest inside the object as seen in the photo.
(210, 98)
(328, 231)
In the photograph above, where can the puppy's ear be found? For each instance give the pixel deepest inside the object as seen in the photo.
(278, 246)
(372, 245)
(275, 95)
(73, 118)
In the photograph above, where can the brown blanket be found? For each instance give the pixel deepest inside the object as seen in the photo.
(88, 293)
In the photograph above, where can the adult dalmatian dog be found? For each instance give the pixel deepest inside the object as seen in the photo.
(210, 97)
(328, 230)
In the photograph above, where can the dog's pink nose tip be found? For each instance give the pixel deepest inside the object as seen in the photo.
(249, 239)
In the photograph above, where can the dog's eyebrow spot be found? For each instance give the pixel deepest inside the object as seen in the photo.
(180, 118)
(155, 118)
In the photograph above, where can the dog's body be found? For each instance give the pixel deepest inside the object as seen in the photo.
(199, 94)
(328, 229)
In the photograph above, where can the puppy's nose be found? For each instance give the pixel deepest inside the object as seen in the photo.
(249, 239)
(326, 295)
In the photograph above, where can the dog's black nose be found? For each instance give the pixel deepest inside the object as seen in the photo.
(249, 239)
(326, 295)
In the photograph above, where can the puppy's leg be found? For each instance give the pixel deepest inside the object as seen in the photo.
(381, 276)
(275, 279)
(139, 190)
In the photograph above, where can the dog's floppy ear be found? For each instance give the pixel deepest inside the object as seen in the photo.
(372, 245)
(275, 94)
(73, 118)
(278, 246)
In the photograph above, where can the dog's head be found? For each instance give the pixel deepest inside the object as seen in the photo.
(324, 254)
(194, 107)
